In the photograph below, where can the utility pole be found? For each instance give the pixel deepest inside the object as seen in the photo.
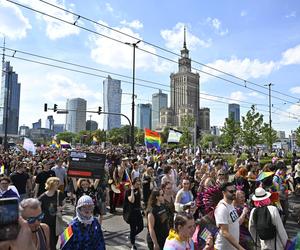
(5, 73)
(134, 45)
(270, 114)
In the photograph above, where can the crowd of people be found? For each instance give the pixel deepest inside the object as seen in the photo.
(188, 201)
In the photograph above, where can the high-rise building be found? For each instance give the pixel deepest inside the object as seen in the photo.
(50, 122)
(37, 125)
(9, 100)
(280, 134)
(143, 119)
(112, 96)
(234, 111)
(204, 119)
(24, 130)
(59, 128)
(91, 125)
(185, 88)
(214, 130)
(76, 117)
(159, 101)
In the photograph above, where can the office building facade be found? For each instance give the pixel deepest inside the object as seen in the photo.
(91, 125)
(234, 111)
(204, 120)
(112, 97)
(143, 119)
(159, 101)
(76, 117)
(50, 122)
(9, 100)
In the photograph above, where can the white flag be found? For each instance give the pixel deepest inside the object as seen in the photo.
(29, 146)
(174, 136)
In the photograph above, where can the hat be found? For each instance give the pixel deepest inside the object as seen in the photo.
(260, 194)
(85, 200)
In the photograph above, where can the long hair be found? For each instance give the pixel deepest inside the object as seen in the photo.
(153, 199)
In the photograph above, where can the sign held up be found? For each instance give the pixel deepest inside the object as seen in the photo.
(86, 165)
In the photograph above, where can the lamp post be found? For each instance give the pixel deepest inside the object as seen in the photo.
(134, 45)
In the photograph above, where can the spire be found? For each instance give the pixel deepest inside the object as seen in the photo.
(184, 38)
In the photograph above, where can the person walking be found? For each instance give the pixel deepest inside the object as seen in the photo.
(158, 226)
(265, 224)
(50, 207)
(85, 228)
(135, 219)
(227, 219)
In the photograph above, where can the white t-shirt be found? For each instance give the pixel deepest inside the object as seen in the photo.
(226, 214)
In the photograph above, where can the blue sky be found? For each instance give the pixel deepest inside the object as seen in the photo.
(258, 41)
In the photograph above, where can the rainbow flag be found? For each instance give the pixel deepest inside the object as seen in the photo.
(152, 139)
(294, 244)
(65, 236)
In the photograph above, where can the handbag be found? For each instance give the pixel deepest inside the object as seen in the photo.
(60, 224)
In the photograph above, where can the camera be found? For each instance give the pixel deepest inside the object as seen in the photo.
(9, 216)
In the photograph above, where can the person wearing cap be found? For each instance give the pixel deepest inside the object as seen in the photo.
(86, 229)
(261, 198)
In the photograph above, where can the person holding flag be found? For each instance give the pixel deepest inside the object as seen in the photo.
(84, 231)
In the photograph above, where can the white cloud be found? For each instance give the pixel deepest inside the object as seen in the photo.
(117, 55)
(291, 56)
(135, 24)
(290, 15)
(256, 95)
(14, 24)
(174, 38)
(294, 110)
(108, 7)
(295, 90)
(245, 68)
(55, 29)
(216, 24)
(243, 13)
(237, 96)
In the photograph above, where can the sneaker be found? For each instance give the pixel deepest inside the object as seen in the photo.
(133, 247)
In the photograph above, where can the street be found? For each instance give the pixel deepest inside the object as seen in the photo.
(116, 230)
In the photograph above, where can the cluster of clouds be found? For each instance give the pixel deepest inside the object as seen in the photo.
(118, 55)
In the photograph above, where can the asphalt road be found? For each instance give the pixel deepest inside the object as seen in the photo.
(116, 230)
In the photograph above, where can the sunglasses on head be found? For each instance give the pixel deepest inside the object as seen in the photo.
(32, 220)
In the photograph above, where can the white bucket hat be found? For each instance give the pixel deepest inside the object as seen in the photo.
(260, 194)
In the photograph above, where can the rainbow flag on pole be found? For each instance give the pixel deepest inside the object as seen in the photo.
(65, 236)
(152, 139)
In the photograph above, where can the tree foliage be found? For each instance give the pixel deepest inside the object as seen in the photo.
(230, 133)
(251, 129)
(66, 136)
(297, 132)
(207, 140)
(269, 135)
(187, 124)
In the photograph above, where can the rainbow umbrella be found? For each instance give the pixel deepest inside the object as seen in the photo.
(263, 175)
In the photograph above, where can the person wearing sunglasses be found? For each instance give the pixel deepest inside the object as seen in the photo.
(227, 220)
(31, 211)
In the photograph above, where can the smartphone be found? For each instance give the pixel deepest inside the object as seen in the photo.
(9, 216)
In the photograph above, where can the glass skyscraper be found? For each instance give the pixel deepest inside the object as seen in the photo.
(76, 117)
(143, 119)
(159, 101)
(234, 111)
(9, 101)
(112, 97)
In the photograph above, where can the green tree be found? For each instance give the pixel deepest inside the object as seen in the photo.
(208, 139)
(140, 137)
(230, 133)
(65, 136)
(297, 132)
(164, 135)
(100, 135)
(187, 124)
(269, 135)
(251, 129)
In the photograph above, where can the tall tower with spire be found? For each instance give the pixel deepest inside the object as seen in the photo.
(184, 89)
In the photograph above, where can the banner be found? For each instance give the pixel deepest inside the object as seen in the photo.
(29, 146)
(152, 139)
(174, 136)
(87, 165)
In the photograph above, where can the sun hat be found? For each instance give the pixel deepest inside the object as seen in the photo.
(85, 200)
(260, 194)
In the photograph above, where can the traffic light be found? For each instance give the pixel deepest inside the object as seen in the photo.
(55, 108)
(99, 110)
(45, 107)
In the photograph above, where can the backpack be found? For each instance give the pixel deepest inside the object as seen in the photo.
(263, 223)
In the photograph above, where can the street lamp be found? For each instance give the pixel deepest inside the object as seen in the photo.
(134, 45)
